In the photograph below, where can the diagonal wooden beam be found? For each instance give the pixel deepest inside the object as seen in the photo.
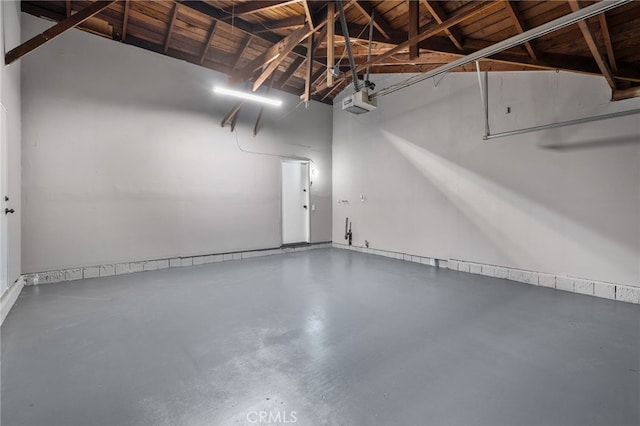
(174, 15)
(367, 9)
(439, 15)
(125, 19)
(289, 72)
(255, 6)
(631, 92)
(606, 35)
(241, 51)
(53, 32)
(272, 64)
(256, 128)
(466, 12)
(282, 24)
(306, 96)
(593, 46)
(518, 22)
(307, 12)
(414, 26)
(234, 120)
(473, 9)
(205, 50)
(231, 113)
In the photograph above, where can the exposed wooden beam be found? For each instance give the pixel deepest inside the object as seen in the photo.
(367, 10)
(306, 96)
(256, 128)
(331, 25)
(289, 72)
(68, 7)
(53, 32)
(282, 24)
(172, 22)
(593, 46)
(606, 35)
(307, 12)
(241, 51)
(466, 12)
(255, 6)
(244, 26)
(469, 11)
(632, 92)
(125, 19)
(439, 15)
(518, 22)
(231, 113)
(234, 120)
(212, 32)
(414, 25)
(272, 64)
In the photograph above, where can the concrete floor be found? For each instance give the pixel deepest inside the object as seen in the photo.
(320, 337)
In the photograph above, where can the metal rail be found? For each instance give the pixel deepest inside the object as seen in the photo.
(556, 24)
(563, 123)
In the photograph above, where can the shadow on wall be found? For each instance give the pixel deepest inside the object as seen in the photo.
(528, 233)
(592, 144)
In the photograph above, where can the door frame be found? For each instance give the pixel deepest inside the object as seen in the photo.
(308, 164)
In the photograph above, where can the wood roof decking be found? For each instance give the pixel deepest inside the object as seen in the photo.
(228, 35)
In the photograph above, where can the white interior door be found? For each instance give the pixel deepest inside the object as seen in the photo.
(4, 238)
(295, 202)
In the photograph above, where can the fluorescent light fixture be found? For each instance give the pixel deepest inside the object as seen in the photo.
(247, 96)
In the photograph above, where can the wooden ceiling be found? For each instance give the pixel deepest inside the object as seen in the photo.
(268, 43)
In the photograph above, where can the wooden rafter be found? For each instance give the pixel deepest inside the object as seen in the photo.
(632, 92)
(414, 26)
(518, 22)
(53, 32)
(306, 96)
(307, 12)
(272, 63)
(289, 72)
(606, 35)
(274, 52)
(593, 46)
(367, 9)
(172, 23)
(234, 110)
(439, 15)
(469, 11)
(256, 128)
(243, 48)
(205, 50)
(255, 6)
(282, 24)
(68, 7)
(125, 19)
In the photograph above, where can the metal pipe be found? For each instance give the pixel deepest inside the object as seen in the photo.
(484, 96)
(564, 123)
(370, 42)
(347, 42)
(556, 24)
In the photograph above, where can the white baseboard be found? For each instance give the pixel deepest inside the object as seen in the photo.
(72, 274)
(9, 298)
(606, 290)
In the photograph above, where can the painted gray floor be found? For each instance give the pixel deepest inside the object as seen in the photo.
(321, 337)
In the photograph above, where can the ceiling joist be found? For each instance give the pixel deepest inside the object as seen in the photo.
(53, 32)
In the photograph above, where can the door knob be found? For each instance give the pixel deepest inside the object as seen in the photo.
(304, 206)
(7, 211)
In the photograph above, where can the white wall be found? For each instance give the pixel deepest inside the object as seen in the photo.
(563, 201)
(124, 158)
(10, 98)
